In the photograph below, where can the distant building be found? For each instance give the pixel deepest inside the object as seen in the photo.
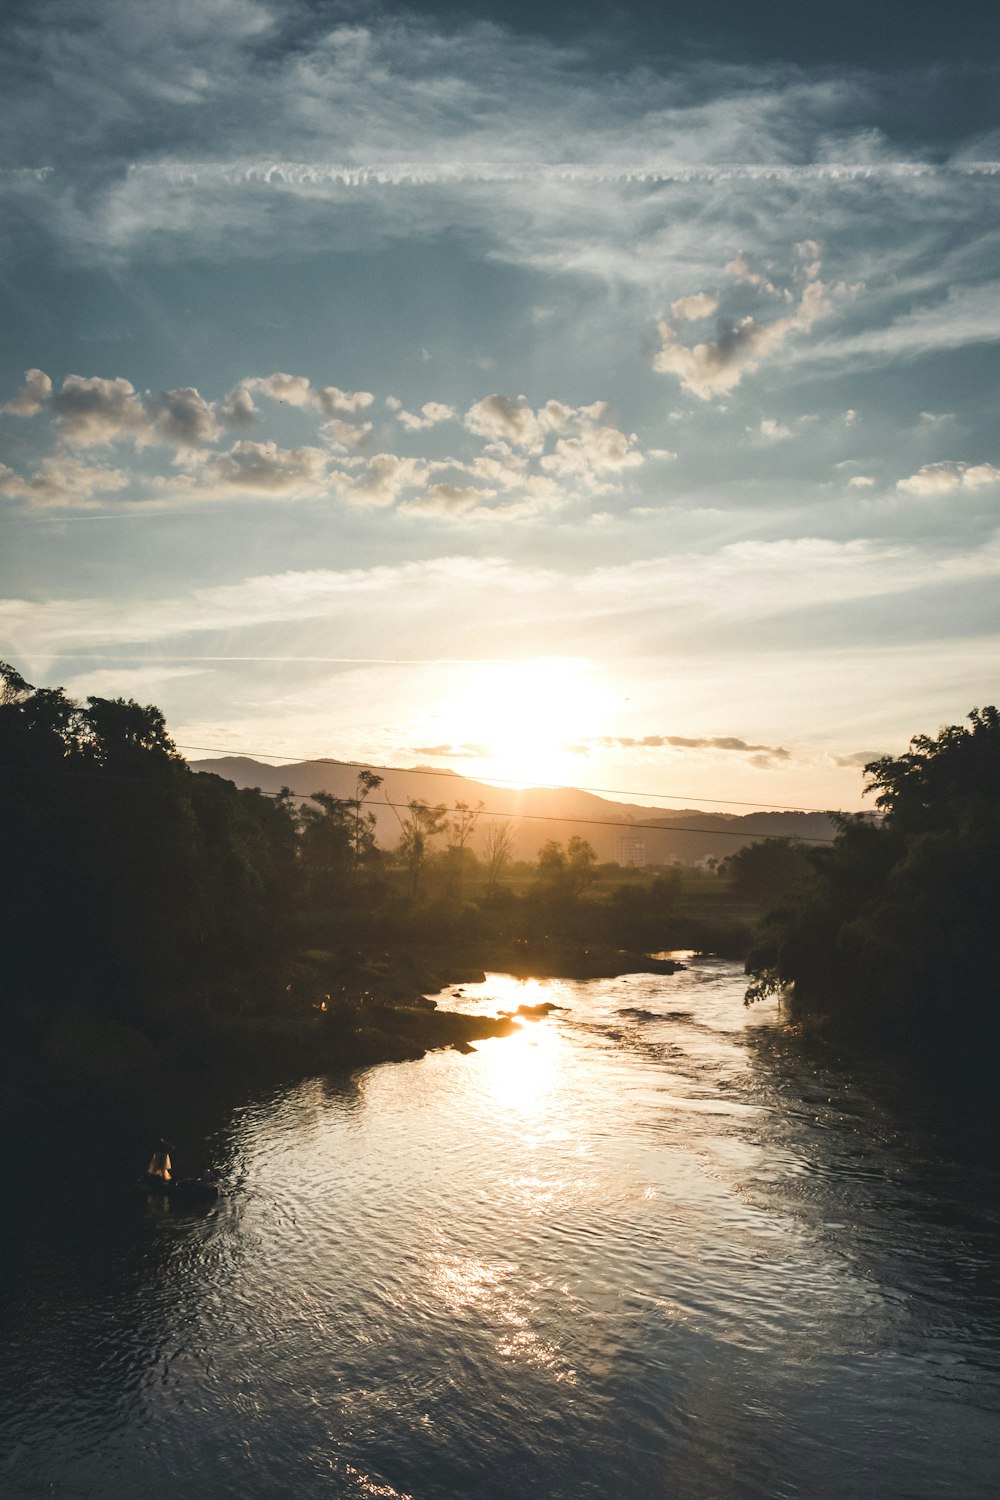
(630, 851)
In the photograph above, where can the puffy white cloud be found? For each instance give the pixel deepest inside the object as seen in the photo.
(697, 305)
(385, 478)
(592, 452)
(715, 367)
(331, 399)
(91, 410)
(346, 436)
(431, 413)
(292, 390)
(741, 269)
(555, 416)
(33, 395)
(268, 468)
(500, 419)
(772, 430)
(183, 417)
(298, 390)
(88, 409)
(63, 480)
(946, 476)
(861, 482)
(238, 409)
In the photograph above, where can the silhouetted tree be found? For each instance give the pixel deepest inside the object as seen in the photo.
(421, 824)
(364, 822)
(769, 872)
(897, 930)
(499, 844)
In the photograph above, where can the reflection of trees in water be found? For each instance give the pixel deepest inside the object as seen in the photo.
(894, 1177)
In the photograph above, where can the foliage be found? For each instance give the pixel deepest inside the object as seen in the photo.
(768, 872)
(421, 824)
(123, 870)
(896, 931)
(563, 875)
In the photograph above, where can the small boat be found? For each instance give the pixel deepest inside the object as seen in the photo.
(193, 1189)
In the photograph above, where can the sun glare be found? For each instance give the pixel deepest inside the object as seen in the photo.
(520, 718)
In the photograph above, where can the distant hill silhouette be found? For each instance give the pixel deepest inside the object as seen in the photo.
(687, 835)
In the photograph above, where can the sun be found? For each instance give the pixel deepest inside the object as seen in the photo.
(521, 718)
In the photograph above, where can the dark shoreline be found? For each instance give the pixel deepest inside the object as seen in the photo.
(324, 1013)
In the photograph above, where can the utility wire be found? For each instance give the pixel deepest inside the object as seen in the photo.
(547, 786)
(486, 812)
(726, 833)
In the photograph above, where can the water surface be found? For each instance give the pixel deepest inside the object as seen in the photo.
(643, 1248)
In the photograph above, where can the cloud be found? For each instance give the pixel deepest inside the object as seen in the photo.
(857, 759)
(346, 436)
(726, 742)
(742, 270)
(431, 413)
(501, 419)
(45, 626)
(447, 501)
(298, 390)
(386, 476)
(592, 453)
(237, 410)
(697, 305)
(63, 480)
(946, 476)
(716, 367)
(772, 430)
(33, 395)
(586, 451)
(88, 409)
(184, 418)
(268, 468)
(93, 411)
(861, 482)
(936, 418)
(452, 752)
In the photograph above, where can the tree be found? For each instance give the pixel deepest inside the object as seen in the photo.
(421, 824)
(499, 846)
(565, 874)
(769, 872)
(326, 842)
(896, 932)
(581, 861)
(364, 822)
(460, 828)
(13, 688)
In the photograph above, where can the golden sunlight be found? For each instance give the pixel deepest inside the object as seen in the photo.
(521, 1070)
(522, 717)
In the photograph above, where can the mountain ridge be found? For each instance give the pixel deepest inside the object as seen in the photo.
(655, 836)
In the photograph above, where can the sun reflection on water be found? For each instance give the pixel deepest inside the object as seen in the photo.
(522, 1071)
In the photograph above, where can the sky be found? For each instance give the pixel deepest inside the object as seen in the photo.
(604, 396)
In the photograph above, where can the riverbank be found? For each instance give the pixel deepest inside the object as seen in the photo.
(322, 1013)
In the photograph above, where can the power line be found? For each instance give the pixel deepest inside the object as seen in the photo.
(328, 760)
(600, 822)
(725, 833)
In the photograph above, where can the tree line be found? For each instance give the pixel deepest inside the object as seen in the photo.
(889, 934)
(129, 877)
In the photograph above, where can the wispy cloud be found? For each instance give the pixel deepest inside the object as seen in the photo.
(763, 754)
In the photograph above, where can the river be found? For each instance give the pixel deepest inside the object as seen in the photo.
(645, 1248)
